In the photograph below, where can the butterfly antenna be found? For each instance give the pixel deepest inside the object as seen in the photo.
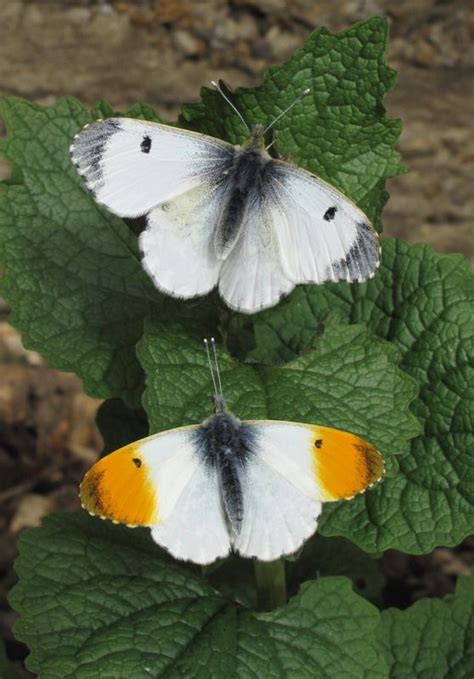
(211, 368)
(300, 96)
(216, 363)
(221, 92)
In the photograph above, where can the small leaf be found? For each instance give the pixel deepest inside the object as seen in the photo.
(101, 600)
(349, 380)
(336, 556)
(7, 668)
(422, 303)
(432, 638)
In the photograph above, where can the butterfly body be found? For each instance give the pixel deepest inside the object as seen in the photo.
(225, 445)
(243, 183)
(255, 487)
(223, 215)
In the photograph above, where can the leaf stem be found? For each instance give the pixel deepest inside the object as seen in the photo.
(271, 584)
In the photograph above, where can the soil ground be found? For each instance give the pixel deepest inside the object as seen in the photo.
(162, 52)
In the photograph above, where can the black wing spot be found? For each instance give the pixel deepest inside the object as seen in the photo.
(146, 144)
(330, 214)
(137, 462)
(318, 443)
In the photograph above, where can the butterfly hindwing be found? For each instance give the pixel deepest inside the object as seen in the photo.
(177, 244)
(278, 516)
(131, 166)
(252, 277)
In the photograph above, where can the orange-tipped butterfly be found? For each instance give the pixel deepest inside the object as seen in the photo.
(255, 487)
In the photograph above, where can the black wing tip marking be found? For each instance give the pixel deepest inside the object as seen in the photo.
(362, 260)
(96, 129)
(87, 149)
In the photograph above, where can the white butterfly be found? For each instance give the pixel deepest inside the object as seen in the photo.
(224, 215)
(254, 487)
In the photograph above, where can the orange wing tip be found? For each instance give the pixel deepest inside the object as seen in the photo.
(344, 464)
(119, 488)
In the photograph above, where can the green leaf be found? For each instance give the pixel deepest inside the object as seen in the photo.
(234, 577)
(102, 600)
(72, 270)
(336, 556)
(339, 131)
(349, 380)
(422, 303)
(433, 638)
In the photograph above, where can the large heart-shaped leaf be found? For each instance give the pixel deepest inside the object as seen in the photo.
(98, 600)
(422, 303)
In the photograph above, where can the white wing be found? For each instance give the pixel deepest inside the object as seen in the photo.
(292, 470)
(178, 243)
(280, 496)
(252, 277)
(131, 166)
(161, 482)
(322, 235)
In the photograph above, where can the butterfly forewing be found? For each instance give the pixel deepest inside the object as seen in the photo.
(131, 166)
(121, 487)
(327, 464)
(322, 235)
(177, 244)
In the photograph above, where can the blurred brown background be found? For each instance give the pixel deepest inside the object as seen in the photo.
(161, 52)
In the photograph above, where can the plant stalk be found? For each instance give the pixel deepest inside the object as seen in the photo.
(271, 584)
